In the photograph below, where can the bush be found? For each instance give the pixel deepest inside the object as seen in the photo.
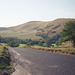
(30, 43)
(13, 44)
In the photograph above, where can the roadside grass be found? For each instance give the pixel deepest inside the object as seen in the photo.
(66, 51)
(5, 60)
(54, 45)
(1, 50)
(22, 45)
(4, 44)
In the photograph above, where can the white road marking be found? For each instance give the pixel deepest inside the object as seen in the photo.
(28, 61)
(15, 52)
(25, 60)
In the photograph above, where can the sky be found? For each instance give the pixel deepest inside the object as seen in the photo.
(15, 12)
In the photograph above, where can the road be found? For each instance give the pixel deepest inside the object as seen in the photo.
(38, 62)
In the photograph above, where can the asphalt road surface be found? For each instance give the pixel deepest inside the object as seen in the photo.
(38, 62)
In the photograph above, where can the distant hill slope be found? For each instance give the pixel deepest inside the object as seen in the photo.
(52, 28)
(3, 29)
(35, 29)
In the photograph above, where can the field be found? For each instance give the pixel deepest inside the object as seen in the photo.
(20, 35)
(4, 44)
(22, 45)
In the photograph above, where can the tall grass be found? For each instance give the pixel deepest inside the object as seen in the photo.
(67, 51)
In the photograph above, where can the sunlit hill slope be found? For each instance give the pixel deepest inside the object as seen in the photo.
(35, 29)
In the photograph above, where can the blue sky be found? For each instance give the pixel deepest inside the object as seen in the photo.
(15, 12)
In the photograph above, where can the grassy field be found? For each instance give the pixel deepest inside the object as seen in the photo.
(5, 60)
(22, 45)
(4, 44)
(21, 35)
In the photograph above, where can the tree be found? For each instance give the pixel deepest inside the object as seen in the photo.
(49, 42)
(69, 31)
(62, 39)
(41, 43)
(30, 43)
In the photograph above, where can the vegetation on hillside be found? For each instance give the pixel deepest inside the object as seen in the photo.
(69, 31)
(35, 30)
(14, 42)
(51, 29)
(68, 35)
(50, 39)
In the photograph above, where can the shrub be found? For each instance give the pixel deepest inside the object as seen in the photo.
(13, 44)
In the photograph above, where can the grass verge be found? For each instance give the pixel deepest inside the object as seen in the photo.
(66, 51)
(5, 61)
